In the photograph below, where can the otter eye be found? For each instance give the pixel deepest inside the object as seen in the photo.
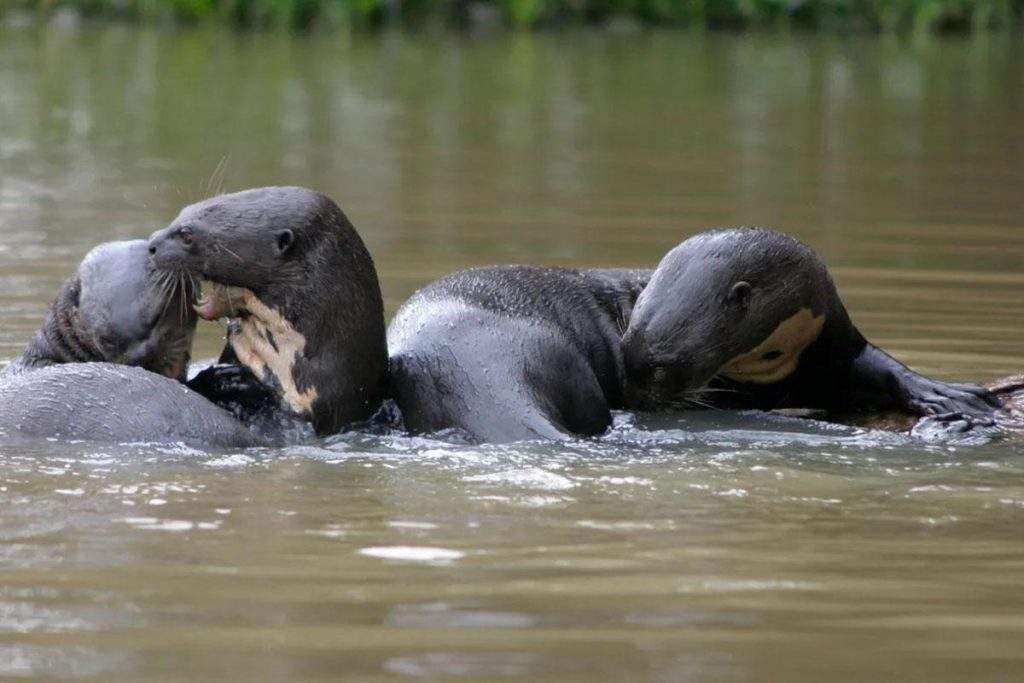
(283, 240)
(771, 355)
(740, 293)
(186, 237)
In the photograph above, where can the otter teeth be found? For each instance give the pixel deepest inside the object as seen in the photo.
(200, 302)
(219, 301)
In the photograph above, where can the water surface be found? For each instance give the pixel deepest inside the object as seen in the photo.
(706, 547)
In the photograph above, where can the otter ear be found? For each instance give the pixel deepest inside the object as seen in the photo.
(740, 293)
(283, 240)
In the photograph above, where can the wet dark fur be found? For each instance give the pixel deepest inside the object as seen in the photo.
(323, 283)
(60, 339)
(688, 323)
(513, 352)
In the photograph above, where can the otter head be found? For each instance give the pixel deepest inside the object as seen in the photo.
(741, 304)
(116, 308)
(286, 263)
(135, 314)
(245, 240)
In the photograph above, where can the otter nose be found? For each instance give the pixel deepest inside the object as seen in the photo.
(154, 240)
(157, 246)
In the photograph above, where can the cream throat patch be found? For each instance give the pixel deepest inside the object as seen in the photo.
(266, 342)
(776, 357)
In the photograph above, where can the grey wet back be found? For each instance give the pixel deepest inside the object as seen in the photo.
(508, 353)
(114, 404)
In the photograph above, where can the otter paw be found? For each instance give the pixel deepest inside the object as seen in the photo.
(929, 397)
(230, 384)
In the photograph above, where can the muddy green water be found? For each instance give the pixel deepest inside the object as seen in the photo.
(709, 547)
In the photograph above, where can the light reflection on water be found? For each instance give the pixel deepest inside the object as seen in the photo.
(706, 547)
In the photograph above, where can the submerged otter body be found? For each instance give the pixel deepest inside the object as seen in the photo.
(306, 338)
(106, 364)
(512, 353)
(750, 318)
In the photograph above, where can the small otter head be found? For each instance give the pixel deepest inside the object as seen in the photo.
(126, 312)
(740, 303)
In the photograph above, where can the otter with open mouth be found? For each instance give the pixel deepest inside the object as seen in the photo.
(750, 318)
(108, 362)
(306, 335)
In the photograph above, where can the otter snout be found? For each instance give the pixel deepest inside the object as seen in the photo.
(173, 248)
(667, 376)
(652, 383)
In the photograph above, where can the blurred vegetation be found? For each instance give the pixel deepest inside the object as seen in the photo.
(303, 15)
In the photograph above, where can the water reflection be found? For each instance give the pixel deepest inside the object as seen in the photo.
(710, 547)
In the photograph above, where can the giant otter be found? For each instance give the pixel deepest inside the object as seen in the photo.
(519, 352)
(301, 288)
(750, 318)
(74, 379)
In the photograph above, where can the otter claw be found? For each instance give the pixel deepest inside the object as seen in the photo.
(937, 398)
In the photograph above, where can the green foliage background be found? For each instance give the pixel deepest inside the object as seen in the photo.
(302, 15)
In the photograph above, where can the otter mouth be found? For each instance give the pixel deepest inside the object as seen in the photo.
(174, 290)
(263, 340)
(151, 329)
(220, 301)
(667, 399)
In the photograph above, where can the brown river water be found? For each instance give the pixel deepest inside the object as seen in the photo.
(703, 547)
